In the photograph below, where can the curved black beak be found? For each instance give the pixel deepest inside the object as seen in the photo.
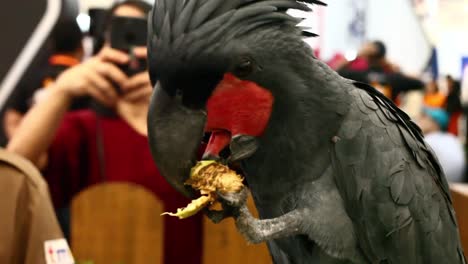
(175, 133)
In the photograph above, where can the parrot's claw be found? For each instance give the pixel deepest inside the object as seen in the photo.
(235, 200)
(217, 216)
(231, 203)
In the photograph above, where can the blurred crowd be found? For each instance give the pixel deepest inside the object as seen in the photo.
(85, 117)
(434, 103)
(84, 121)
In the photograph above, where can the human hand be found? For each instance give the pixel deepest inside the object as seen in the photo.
(138, 88)
(96, 77)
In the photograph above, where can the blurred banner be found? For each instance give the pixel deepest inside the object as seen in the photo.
(464, 66)
(432, 70)
(357, 25)
(426, 11)
(437, 16)
(454, 14)
(445, 24)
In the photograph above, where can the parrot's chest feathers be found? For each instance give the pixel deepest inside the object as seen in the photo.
(325, 220)
(279, 171)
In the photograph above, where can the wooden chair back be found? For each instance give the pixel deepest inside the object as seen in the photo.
(223, 244)
(460, 204)
(120, 223)
(117, 223)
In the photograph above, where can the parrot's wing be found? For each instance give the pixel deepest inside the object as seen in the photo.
(393, 186)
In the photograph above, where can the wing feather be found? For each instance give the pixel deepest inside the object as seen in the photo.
(396, 190)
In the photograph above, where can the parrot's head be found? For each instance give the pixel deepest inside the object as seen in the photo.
(221, 67)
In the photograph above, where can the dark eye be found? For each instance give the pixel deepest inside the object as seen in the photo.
(244, 68)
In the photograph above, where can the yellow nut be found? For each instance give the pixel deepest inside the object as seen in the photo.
(209, 177)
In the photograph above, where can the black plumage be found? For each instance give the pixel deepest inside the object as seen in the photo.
(340, 175)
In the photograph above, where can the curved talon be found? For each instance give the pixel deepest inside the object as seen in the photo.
(216, 216)
(233, 199)
(231, 203)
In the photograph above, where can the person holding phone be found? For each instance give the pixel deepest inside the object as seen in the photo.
(88, 147)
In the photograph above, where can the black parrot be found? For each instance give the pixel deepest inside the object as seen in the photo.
(338, 173)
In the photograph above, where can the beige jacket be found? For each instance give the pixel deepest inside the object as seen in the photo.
(27, 219)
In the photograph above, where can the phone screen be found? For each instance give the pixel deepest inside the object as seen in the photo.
(126, 33)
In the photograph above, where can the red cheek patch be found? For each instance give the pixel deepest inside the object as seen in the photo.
(238, 107)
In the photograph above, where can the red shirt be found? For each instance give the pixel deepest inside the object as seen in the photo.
(74, 164)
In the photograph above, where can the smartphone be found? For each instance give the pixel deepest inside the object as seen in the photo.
(125, 34)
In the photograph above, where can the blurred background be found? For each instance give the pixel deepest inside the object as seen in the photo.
(413, 51)
(424, 39)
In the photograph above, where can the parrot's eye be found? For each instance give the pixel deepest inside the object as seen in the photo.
(244, 68)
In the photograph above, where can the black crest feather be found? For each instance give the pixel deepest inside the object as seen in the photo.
(186, 27)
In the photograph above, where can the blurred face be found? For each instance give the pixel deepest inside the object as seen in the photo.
(129, 11)
(427, 125)
(367, 49)
(431, 87)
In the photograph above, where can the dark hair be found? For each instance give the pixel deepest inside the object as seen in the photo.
(100, 36)
(66, 37)
(381, 49)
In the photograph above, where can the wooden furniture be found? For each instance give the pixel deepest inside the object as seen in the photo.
(460, 204)
(116, 223)
(121, 223)
(223, 244)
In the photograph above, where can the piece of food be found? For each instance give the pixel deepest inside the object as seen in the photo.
(209, 177)
(192, 208)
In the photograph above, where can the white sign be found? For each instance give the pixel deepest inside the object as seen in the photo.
(58, 252)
